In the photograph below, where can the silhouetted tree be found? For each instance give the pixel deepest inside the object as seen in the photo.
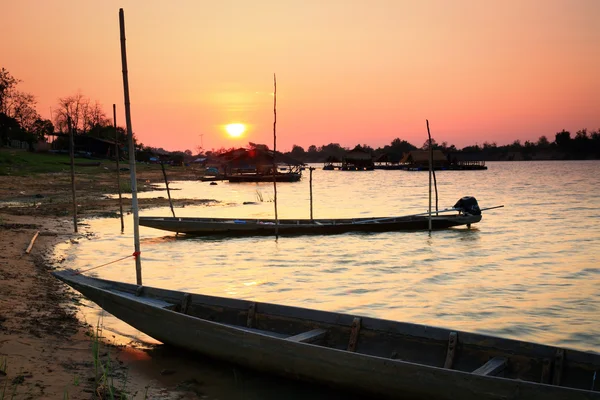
(563, 140)
(297, 151)
(543, 142)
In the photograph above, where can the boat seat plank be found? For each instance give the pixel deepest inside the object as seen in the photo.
(254, 330)
(309, 337)
(492, 367)
(146, 300)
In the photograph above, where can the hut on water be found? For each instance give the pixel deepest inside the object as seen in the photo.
(419, 160)
(357, 159)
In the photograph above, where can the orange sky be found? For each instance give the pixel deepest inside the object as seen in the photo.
(348, 71)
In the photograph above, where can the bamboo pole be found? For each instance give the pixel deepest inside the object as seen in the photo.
(275, 153)
(31, 243)
(118, 168)
(311, 169)
(72, 156)
(162, 165)
(430, 168)
(134, 202)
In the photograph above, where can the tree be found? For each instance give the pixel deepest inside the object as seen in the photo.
(94, 115)
(312, 148)
(74, 107)
(543, 142)
(563, 139)
(9, 128)
(16, 104)
(21, 106)
(426, 144)
(42, 128)
(297, 151)
(7, 83)
(399, 147)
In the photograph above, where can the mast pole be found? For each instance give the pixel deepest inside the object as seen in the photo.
(134, 202)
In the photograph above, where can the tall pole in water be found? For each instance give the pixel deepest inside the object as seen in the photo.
(134, 202)
(430, 172)
(275, 154)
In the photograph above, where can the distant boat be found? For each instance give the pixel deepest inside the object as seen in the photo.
(466, 212)
(377, 357)
(257, 177)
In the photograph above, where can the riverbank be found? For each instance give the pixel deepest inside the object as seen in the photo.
(45, 350)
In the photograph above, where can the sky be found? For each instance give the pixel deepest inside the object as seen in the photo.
(348, 71)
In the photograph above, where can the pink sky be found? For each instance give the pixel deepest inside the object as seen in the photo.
(348, 71)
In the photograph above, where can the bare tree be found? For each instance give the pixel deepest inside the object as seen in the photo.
(95, 116)
(21, 106)
(74, 107)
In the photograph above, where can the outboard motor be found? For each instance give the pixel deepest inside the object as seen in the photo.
(468, 205)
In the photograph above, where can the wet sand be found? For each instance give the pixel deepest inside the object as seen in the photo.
(46, 349)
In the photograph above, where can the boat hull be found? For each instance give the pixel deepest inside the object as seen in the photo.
(287, 177)
(165, 316)
(233, 227)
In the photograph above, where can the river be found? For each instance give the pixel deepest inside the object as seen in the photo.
(528, 271)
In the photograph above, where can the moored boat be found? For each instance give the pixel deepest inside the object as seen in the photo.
(465, 212)
(380, 357)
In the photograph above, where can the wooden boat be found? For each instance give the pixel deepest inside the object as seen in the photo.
(465, 212)
(380, 357)
(256, 177)
(232, 226)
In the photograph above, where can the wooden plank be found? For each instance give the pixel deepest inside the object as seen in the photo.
(251, 313)
(492, 367)
(558, 366)
(185, 303)
(309, 337)
(546, 367)
(354, 334)
(146, 300)
(452, 340)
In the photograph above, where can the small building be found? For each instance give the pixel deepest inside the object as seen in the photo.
(258, 161)
(357, 159)
(388, 161)
(85, 145)
(419, 159)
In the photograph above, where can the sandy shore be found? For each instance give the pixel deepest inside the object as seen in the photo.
(45, 351)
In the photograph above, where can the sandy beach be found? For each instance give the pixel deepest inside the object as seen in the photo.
(45, 350)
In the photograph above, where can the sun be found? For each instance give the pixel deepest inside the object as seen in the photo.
(235, 130)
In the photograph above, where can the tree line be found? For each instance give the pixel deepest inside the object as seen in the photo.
(19, 120)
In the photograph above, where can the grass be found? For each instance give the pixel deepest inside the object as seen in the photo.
(15, 382)
(105, 387)
(17, 162)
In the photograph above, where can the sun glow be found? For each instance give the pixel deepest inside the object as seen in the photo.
(235, 130)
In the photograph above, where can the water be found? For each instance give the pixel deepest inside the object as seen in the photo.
(529, 271)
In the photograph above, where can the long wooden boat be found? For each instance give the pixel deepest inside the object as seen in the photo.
(245, 227)
(383, 358)
(253, 177)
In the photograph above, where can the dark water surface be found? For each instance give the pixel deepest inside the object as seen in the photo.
(529, 271)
